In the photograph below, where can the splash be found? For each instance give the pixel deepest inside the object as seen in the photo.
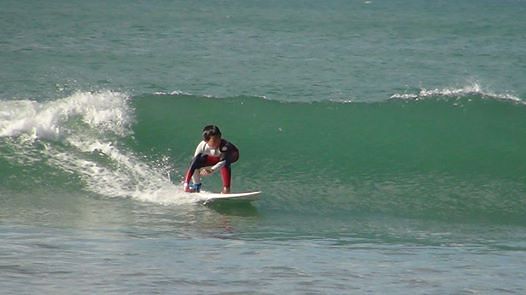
(106, 110)
(473, 89)
(81, 135)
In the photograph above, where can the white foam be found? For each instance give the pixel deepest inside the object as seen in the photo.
(90, 151)
(473, 88)
(125, 178)
(107, 110)
(175, 92)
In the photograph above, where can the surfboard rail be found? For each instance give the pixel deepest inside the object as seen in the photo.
(208, 197)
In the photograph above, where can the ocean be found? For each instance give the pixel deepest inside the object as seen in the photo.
(387, 137)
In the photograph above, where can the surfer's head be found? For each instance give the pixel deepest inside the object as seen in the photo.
(212, 135)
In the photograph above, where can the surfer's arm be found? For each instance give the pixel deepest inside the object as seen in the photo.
(200, 148)
(218, 166)
(229, 154)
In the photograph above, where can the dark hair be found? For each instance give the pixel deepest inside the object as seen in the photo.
(209, 131)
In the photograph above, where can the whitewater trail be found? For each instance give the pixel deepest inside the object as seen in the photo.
(471, 89)
(79, 134)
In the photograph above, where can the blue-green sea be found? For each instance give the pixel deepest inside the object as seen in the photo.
(388, 139)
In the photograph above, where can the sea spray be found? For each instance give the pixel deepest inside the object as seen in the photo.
(84, 135)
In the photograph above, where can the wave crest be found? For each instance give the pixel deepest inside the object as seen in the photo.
(473, 89)
(81, 135)
(108, 111)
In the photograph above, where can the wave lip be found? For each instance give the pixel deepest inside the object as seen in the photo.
(81, 135)
(468, 90)
(105, 110)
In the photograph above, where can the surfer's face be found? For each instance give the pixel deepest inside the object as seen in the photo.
(214, 142)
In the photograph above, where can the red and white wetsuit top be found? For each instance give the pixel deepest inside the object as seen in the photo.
(226, 153)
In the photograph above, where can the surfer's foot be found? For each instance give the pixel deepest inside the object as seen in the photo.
(192, 187)
(226, 190)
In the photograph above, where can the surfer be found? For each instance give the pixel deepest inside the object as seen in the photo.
(211, 154)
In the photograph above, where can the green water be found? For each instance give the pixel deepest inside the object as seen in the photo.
(387, 138)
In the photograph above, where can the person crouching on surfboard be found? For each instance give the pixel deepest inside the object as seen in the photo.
(212, 154)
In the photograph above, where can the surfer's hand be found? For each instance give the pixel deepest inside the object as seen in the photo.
(206, 171)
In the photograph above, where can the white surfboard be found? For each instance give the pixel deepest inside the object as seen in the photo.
(208, 198)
